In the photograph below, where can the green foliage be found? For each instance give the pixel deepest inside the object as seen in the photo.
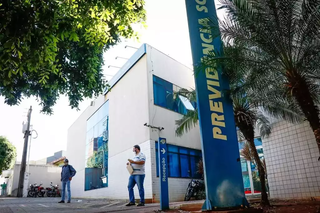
(187, 122)
(247, 107)
(8, 154)
(247, 119)
(238, 72)
(53, 47)
(280, 53)
(191, 118)
(244, 112)
(96, 160)
(92, 161)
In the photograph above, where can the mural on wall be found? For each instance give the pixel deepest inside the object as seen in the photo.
(96, 165)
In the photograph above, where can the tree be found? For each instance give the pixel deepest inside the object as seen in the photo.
(190, 120)
(8, 154)
(280, 43)
(53, 47)
(248, 103)
(248, 156)
(247, 118)
(246, 153)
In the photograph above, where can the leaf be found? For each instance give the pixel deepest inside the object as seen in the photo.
(63, 40)
(7, 153)
(121, 28)
(8, 44)
(19, 54)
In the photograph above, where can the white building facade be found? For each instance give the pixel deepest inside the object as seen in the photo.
(40, 174)
(100, 141)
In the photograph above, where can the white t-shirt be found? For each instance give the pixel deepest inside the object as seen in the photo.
(137, 168)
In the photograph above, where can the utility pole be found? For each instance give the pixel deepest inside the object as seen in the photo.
(27, 172)
(24, 155)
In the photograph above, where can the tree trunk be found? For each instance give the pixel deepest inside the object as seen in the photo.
(317, 135)
(262, 174)
(298, 86)
(247, 129)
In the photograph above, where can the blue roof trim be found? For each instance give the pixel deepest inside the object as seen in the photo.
(127, 66)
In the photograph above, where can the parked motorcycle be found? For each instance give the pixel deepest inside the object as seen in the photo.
(41, 191)
(32, 190)
(194, 188)
(53, 191)
(36, 190)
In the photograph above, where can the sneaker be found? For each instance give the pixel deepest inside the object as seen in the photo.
(62, 201)
(140, 204)
(69, 201)
(130, 204)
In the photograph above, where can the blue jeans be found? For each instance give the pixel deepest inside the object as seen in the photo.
(133, 180)
(64, 183)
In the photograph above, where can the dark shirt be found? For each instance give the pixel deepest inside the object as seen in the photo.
(67, 172)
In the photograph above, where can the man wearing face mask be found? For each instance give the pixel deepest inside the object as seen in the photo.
(66, 176)
(138, 175)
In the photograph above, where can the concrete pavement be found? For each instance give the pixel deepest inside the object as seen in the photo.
(50, 205)
(33, 205)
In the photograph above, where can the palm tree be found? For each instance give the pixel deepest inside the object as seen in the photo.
(191, 118)
(245, 152)
(247, 118)
(280, 52)
(248, 156)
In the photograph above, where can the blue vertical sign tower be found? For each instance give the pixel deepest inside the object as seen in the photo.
(163, 167)
(221, 159)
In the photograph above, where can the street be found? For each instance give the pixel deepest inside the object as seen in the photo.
(32, 205)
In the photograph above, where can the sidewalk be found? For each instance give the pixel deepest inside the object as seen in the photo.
(50, 205)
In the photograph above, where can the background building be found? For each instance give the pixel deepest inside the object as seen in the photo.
(59, 162)
(48, 160)
(143, 91)
(100, 141)
(40, 174)
(56, 156)
(42, 171)
(291, 155)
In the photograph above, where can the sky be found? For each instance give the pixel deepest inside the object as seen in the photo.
(167, 31)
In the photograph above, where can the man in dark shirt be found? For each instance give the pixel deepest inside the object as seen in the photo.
(66, 176)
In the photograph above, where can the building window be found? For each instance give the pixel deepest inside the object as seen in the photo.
(164, 96)
(182, 162)
(96, 164)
